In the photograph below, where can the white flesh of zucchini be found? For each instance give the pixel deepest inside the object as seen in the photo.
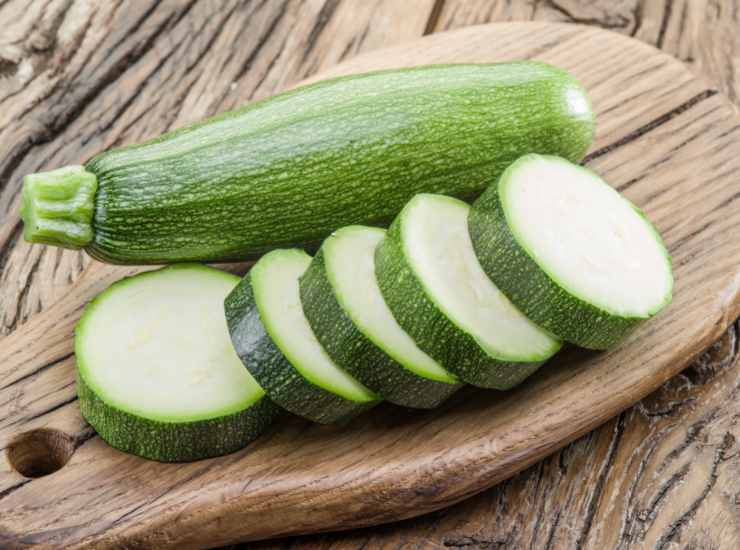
(157, 346)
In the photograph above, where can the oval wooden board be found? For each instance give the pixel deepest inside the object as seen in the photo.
(664, 138)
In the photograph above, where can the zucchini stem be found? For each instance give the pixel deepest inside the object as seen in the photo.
(57, 207)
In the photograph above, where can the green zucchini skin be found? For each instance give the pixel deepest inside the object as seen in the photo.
(431, 330)
(357, 354)
(530, 289)
(271, 369)
(163, 441)
(289, 170)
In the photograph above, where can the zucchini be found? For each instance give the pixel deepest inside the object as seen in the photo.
(289, 170)
(156, 373)
(573, 254)
(343, 304)
(437, 291)
(274, 340)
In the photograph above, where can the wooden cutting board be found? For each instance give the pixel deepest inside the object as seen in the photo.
(665, 138)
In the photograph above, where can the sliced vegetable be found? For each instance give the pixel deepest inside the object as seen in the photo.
(437, 291)
(274, 340)
(157, 375)
(572, 253)
(289, 170)
(346, 310)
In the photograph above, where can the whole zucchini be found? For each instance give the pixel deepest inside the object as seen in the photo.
(288, 170)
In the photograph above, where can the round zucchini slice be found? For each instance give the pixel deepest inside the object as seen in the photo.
(157, 374)
(573, 254)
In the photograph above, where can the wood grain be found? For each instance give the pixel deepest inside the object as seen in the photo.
(702, 33)
(668, 141)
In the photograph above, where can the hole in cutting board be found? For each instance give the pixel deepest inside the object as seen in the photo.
(40, 452)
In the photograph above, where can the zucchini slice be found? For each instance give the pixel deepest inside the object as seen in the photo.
(346, 310)
(437, 291)
(157, 375)
(573, 254)
(274, 340)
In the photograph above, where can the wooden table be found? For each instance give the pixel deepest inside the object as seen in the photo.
(663, 474)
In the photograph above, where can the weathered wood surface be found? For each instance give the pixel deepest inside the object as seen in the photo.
(124, 98)
(663, 475)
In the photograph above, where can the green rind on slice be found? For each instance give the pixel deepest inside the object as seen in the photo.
(269, 348)
(157, 376)
(418, 309)
(163, 441)
(366, 356)
(531, 280)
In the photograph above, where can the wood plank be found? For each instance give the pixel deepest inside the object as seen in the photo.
(677, 161)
